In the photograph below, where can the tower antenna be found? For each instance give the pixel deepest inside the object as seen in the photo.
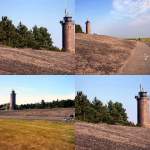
(65, 12)
(140, 88)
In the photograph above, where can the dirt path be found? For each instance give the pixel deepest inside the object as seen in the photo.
(139, 62)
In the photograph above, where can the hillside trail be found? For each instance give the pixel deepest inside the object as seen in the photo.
(139, 61)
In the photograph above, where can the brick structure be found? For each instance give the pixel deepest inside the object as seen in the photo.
(88, 27)
(68, 33)
(143, 109)
(12, 100)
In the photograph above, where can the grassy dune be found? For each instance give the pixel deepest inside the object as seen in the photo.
(36, 135)
(29, 61)
(111, 137)
(99, 54)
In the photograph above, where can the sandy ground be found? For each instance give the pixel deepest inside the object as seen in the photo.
(95, 54)
(139, 62)
(99, 54)
(56, 114)
(28, 61)
(109, 137)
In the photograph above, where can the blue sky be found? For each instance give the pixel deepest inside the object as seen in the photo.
(121, 18)
(47, 13)
(116, 88)
(31, 89)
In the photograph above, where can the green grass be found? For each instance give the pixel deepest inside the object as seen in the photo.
(36, 135)
(141, 39)
(145, 39)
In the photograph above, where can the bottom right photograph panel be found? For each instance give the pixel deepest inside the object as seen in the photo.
(112, 112)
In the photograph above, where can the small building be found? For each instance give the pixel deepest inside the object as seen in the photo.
(143, 108)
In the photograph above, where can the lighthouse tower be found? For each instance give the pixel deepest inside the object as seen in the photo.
(88, 27)
(68, 33)
(143, 108)
(12, 100)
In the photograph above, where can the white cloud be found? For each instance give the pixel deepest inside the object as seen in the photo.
(130, 8)
(141, 21)
(130, 18)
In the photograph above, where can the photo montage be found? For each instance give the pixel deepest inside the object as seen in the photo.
(75, 74)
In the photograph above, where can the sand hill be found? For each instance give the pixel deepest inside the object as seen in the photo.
(99, 54)
(106, 137)
(28, 61)
(95, 54)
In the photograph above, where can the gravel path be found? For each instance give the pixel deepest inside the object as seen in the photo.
(139, 62)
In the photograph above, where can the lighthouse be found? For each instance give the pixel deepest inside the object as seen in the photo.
(68, 33)
(12, 100)
(143, 108)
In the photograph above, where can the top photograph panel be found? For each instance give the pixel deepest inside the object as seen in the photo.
(75, 37)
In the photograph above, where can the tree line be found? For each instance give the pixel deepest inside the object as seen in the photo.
(96, 112)
(22, 37)
(43, 105)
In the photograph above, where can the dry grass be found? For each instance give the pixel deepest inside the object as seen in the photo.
(111, 137)
(101, 54)
(36, 135)
(28, 61)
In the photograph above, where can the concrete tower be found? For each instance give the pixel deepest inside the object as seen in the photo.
(12, 100)
(68, 33)
(88, 27)
(143, 108)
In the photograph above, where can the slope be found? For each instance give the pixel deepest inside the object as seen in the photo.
(111, 137)
(99, 54)
(28, 61)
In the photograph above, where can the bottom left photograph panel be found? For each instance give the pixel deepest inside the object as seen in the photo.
(37, 112)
